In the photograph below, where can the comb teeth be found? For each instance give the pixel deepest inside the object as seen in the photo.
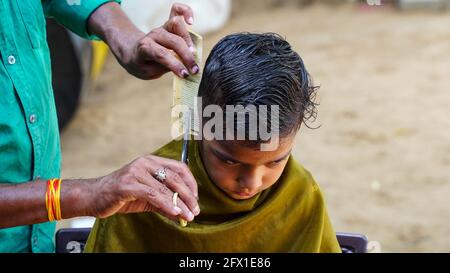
(185, 92)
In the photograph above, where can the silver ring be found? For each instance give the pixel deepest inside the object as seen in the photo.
(161, 174)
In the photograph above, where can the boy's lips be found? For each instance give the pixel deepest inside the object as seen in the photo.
(243, 194)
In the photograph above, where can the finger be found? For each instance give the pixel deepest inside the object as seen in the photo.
(175, 183)
(165, 188)
(141, 203)
(159, 199)
(183, 10)
(152, 51)
(180, 168)
(186, 214)
(163, 200)
(152, 70)
(177, 26)
(179, 46)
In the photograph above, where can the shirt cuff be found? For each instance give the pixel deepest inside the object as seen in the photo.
(74, 14)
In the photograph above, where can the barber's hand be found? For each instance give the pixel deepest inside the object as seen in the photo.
(152, 55)
(135, 189)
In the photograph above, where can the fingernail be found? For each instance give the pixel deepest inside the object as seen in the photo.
(184, 73)
(190, 20)
(195, 69)
(192, 49)
(190, 216)
(196, 210)
(177, 210)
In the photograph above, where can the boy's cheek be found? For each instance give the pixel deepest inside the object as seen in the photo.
(223, 177)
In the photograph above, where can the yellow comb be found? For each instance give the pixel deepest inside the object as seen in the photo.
(185, 93)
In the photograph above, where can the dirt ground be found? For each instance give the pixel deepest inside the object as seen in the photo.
(382, 153)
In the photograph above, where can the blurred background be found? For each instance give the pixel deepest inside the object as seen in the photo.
(382, 152)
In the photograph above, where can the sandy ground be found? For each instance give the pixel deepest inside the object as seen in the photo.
(382, 153)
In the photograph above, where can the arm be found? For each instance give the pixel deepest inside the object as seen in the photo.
(24, 204)
(146, 56)
(130, 189)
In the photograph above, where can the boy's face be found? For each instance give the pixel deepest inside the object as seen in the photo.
(243, 171)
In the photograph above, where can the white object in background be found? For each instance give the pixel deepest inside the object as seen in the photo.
(82, 222)
(373, 247)
(209, 15)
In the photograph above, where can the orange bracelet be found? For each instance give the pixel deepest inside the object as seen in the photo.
(53, 199)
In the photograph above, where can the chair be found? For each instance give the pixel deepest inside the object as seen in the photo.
(352, 242)
(73, 240)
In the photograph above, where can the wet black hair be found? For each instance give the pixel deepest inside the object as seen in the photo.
(260, 69)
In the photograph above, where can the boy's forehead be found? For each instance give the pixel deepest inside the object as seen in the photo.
(252, 154)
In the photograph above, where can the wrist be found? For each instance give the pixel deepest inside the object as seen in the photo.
(122, 42)
(112, 25)
(76, 198)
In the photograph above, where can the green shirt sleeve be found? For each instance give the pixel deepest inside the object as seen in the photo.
(74, 14)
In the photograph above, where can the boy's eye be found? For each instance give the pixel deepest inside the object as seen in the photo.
(275, 163)
(229, 162)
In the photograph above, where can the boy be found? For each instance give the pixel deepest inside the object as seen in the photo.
(251, 199)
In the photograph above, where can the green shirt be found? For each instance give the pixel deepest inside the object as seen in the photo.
(29, 137)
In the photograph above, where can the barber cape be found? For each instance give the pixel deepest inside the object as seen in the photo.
(290, 216)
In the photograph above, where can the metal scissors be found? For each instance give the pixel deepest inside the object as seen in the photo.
(186, 136)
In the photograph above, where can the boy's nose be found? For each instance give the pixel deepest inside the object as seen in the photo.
(251, 181)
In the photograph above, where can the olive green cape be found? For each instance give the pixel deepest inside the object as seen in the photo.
(290, 216)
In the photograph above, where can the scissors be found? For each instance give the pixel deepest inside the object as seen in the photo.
(186, 136)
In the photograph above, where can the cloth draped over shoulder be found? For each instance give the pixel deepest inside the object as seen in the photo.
(290, 216)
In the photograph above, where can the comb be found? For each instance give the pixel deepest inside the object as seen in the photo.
(185, 93)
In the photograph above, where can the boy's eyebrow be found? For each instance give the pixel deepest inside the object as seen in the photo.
(226, 157)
